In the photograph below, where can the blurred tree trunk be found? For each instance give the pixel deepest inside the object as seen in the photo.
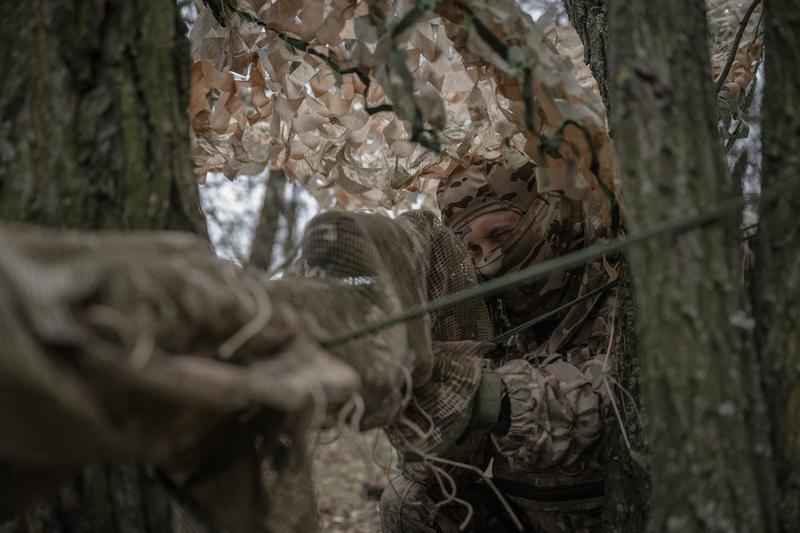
(776, 280)
(280, 209)
(292, 210)
(627, 480)
(93, 116)
(93, 135)
(706, 419)
(266, 235)
(288, 488)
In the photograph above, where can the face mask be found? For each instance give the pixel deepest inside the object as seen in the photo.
(527, 242)
(533, 241)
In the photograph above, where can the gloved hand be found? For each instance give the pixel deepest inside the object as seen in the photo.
(555, 414)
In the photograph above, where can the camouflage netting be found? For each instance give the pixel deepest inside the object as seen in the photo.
(378, 101)
(368, 103)
(147, 347)
(725, 21)
(356, 267)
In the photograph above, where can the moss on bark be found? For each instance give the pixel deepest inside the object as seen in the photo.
(776, 280)
(93, 116)
(94, 135)
(705, 412)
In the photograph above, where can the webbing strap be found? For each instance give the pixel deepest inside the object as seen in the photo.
(487, 405)
(580, 491)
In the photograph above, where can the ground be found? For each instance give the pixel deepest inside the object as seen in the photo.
(349, 475)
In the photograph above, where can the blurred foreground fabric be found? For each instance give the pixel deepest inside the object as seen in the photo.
(145, 346)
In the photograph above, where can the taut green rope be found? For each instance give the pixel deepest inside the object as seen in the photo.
(544, 316)
(577, 258)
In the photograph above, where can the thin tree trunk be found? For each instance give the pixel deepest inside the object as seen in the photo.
(590, 20)
(627, 479)
(292, 209)
(776, 281)
(266, 236)
(287, 486)
(704, 409)
(93, 135)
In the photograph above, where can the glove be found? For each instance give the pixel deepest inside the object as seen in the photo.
(555, 414)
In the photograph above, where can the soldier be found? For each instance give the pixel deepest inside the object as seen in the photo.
(545, 398)
(148, 347)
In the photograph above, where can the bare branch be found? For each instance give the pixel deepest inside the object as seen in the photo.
(735, 48)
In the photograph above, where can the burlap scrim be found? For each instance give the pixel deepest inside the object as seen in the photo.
(148, 347)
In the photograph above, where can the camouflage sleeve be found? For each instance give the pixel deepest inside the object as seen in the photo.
(556, 414)
(560, 391)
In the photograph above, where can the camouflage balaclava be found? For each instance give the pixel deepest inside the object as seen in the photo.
(551, 225)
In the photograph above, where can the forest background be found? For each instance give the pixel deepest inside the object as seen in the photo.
(719, 363)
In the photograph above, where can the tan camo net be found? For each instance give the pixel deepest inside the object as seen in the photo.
(356, 267)
(146, 346)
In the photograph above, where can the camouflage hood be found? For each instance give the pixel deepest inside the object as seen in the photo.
(484, 187)
(551, 225)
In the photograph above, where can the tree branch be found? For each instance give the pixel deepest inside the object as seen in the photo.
(732, 55)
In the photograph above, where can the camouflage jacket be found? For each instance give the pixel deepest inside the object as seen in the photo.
(574, 368)
(569, 355)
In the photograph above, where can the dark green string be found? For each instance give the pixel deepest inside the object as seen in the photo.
(544, 316)
(574, 259)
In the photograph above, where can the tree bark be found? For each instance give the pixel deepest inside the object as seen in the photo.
(93, 116)
(705, 417)
(93, 135)
(627, 480)
(590, 20)
(266, 235)
(776, 280)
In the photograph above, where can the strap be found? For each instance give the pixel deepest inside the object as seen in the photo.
(581, 491)
(487, 405)
(541, 318)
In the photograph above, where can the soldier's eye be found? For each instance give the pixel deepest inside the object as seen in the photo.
(474, 249)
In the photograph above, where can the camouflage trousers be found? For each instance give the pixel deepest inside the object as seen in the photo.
(409, 506)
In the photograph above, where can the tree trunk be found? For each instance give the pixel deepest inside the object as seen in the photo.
(776, 281)
(287, 486)
(590, 20)
(93, 135)
(705, 419)
(93, 116)
(266, 236)
(292, 209)
(627, 479)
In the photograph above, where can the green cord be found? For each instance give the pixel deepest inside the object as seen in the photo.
(544, 316)
(574, 259)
